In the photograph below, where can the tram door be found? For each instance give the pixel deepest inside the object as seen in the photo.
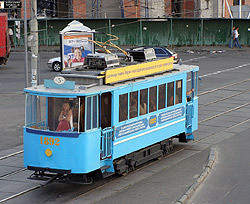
(107, 130)
(191, 103)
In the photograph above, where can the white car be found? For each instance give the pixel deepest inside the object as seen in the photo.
(55, 64)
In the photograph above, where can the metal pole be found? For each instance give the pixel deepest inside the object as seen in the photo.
(47, 36)
(231, 16)
(201, 40)
(141, 34)
(239, 8)
(223, 13)
(171, 32)
(26, 69)
(34, 42)
(110, 28)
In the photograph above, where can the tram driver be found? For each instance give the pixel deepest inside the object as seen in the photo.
(189, 95)
(65, 118)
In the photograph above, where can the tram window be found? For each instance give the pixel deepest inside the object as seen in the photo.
(133, 104)
(35, 116)
(91, 112)
(162, 96)
(152, 98)
(82, 114)
(123, 107)
(88, 114)
(178, 94)
(170, 94)
(143, 101)
(95, 121)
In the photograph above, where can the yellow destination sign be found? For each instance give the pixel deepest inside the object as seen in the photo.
(138, 70)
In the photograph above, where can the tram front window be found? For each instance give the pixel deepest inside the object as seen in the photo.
(35, 112)
(53, 114)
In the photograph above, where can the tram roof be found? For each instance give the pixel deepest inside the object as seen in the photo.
(78, 90)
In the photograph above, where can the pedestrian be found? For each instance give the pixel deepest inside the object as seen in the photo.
(236, 38)
(231, 37)
(11, 37)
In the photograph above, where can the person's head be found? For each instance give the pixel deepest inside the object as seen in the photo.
(233, 27)
(65, 106)
(78, 53)
(236, 28)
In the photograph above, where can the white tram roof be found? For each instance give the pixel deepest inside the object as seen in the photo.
(78, 91)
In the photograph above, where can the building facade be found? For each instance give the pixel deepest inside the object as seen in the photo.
(135, 9)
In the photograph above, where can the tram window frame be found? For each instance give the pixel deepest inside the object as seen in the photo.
(170, 93)
(92, 112)
(162, 96)
(143, 101)
(178, 91)
(123, 107)
(133, 104)
(152, 99)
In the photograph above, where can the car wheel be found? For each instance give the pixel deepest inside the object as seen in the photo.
(56, 66)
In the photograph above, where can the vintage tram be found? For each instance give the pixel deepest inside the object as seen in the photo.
(119, 116)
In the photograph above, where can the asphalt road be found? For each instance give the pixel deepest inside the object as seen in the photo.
(166, 180)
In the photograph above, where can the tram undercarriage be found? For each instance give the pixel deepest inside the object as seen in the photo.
(122, 166)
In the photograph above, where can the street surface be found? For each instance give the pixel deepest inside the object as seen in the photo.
(224, 121)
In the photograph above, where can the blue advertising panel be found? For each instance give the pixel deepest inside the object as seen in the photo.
(171, 115)
(150, 122)
(131, 128)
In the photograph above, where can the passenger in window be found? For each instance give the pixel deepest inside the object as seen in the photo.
(65, 118)
(152, 106)
(189, 95)
(133, 108)
(143, 109)
(143, 101)
(170, 94)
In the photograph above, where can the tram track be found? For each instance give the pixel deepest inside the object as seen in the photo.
(225, 98)
(28, 190)
(143, 166)
(223, 87)
(197, 141)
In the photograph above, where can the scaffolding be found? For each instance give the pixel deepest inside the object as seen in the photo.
(134, 8)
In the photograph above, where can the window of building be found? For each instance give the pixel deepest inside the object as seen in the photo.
(123, 107)
(178, 94)
(133, 104)
(162, 96)
(237, 2)
(143, 101)
(170, 94)
(152, 99)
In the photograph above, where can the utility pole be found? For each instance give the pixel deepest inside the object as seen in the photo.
(34, 42)
(26, 69)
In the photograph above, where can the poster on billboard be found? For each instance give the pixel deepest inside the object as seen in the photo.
(75, 47)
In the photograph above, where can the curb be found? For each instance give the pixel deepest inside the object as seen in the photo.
(201, 178)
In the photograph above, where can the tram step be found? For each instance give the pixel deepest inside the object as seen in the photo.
(107, 174)
(103, 168)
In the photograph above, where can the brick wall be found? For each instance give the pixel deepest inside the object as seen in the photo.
(28, 6)
(188, 8)
(79, 9)
(168, 8)
(132, 9)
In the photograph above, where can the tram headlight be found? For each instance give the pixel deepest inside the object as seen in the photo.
(48, 152)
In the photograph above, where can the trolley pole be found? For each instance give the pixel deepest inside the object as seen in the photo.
(34, 42)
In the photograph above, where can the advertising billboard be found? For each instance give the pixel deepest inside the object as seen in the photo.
(75, 47)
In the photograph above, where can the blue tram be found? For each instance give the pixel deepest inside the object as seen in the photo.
(119, 116)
